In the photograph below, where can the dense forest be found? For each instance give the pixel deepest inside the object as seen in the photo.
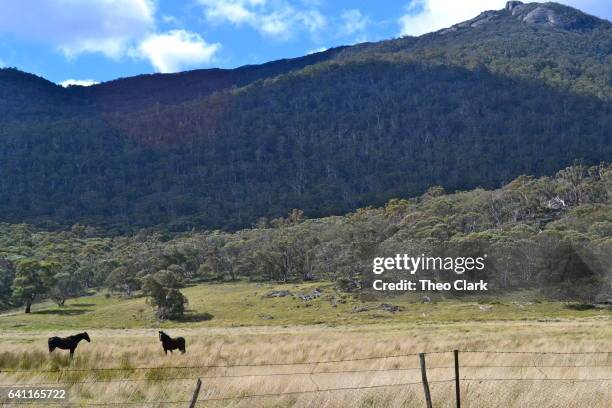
(524, 90)
(552, 233)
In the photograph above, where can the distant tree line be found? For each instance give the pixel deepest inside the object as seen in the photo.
(550, 233)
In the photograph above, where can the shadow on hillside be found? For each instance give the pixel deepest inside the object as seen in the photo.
(61, 312)
(83, 304)
(195, 317)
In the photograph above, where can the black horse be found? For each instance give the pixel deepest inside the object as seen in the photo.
(168, 343)
(67, 343)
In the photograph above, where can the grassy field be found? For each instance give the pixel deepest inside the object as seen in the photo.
(233, 324)
(246, 304)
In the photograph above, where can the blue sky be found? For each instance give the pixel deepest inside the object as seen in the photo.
(99, 40)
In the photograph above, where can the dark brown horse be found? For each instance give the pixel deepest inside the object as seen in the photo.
(168, 343)
(67, 343)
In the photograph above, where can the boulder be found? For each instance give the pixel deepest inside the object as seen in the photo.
(511, 5)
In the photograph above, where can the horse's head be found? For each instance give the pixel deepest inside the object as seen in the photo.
(161, 335)
(86, 337)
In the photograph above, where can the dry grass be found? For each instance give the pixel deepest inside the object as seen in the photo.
(230, 346)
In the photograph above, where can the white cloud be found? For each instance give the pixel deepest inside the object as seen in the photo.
(272, 18)
(317, 50)
(79, 26)
(170, 19)
(423, 16)
(2, 64)
(173, 50)
(80, 82)
(353, 22)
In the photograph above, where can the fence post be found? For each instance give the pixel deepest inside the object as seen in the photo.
(457, 386)
(194, 398)
(424, 379)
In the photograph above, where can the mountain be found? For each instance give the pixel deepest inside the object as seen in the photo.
(523, 90)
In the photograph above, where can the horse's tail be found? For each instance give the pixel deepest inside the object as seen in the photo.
(181, 342)
(51, 343)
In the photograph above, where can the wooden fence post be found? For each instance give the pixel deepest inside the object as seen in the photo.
(194, 398)
(457, 386)
(424, 379)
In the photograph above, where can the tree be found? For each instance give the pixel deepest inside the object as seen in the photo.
(33, 279)
(7, 274)
(170, 302)
(168, 279)
(66, 285)
(122, 280)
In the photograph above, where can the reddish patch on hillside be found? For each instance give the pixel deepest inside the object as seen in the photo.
(157, 124)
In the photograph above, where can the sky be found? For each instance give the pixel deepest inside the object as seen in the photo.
(89, 41)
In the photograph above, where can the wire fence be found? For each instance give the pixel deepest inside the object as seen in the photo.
(318, 369)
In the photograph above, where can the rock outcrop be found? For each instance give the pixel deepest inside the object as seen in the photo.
(511, 5)
(554, 15)
(550, 15)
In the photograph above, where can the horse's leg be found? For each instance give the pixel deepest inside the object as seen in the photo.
(71, 353)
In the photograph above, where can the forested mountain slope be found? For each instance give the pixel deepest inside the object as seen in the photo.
(524, 90)
(553, 234)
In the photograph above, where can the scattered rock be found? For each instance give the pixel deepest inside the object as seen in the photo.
(266, 317)
(389, 307)
(485, 308)
(425, 299)
(278, 293)
(483, 18)
(383, 306)
(309, 296)
(448, 30)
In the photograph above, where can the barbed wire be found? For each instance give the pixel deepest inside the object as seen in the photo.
(281, 394)
(97, 404)
(536, 352)
(219, 365)
(537, 379)
(402, 369)
(310, 373)
(368, 387)
(292, 363)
